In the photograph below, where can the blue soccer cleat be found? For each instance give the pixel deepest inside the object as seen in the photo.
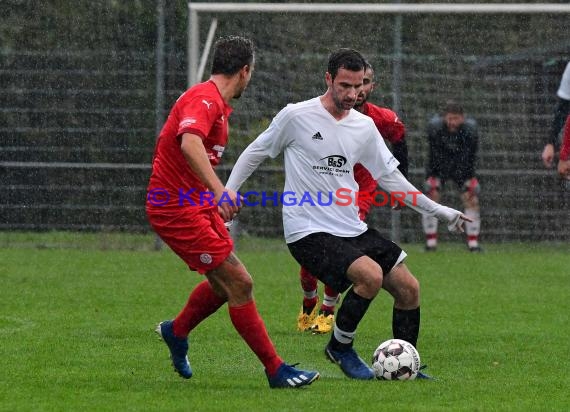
(422, 375)
(350, 363)
(178, 348)
(289, 377)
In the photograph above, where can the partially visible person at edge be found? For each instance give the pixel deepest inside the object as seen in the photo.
(564, 162)
(392, 129)
(331, 241)
(561, 111)
(453, 144)
(190, 145)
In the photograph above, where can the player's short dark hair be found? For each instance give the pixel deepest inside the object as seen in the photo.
(368, 67)
(451, 106)
(345, 58)
(231, 53)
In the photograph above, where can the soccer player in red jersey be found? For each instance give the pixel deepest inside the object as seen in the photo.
(564, 162)
(393, 130)
(187, 206)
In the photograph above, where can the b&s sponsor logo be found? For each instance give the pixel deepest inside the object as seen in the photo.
(332, 165)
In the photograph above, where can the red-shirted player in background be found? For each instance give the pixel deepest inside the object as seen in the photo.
(393, 130)
(187, 206)
(564, 162)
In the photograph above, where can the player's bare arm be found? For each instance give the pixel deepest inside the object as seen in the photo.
(195, 153)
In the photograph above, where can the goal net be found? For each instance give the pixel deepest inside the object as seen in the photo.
(502, 62)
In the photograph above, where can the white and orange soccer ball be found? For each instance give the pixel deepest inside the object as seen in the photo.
(396, 359)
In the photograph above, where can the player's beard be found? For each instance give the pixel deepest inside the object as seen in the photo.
(239, 93)
(358, 105)
(342, 104)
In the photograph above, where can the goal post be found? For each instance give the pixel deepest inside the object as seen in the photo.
(411, 8)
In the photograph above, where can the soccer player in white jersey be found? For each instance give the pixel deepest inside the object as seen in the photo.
(322, 139)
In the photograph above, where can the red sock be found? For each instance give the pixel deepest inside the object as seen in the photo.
(250, 326)
(309, 285)
(201, 304)
(308, 281)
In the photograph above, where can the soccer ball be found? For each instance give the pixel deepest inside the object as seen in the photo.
(396, 359)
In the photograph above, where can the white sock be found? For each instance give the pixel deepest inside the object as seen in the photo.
(472, 228)
(342, 336)
(311, 294)
(330, 300)
(429, 224)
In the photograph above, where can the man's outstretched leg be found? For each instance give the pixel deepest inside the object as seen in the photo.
(233, 280)
(202, 302)
(366, 276)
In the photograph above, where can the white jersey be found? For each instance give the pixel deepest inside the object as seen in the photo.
(320, 153)
(564, 89)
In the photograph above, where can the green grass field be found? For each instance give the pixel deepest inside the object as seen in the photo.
(76, 333)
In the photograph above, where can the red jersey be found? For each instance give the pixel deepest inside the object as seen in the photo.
(391, 129)
(202, 111)
(565, 148)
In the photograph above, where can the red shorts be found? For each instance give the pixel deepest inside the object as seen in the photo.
(198, 236)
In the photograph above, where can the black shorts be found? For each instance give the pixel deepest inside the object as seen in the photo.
(328, 257)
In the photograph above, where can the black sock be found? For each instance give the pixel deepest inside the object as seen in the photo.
(406, 324)
(349, 316)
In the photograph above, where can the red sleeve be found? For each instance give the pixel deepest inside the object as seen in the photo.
(389, 125)
(362, 176)
(565, 148)
(197, 116)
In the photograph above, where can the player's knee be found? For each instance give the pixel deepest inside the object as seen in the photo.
(369, 282)
(234, 282)
(406, 289)
(374, 281)
(246, 283)
(409, 293)
(432, 186)
(472, 187)
(366, 276)
(241, 282)
(414, 290)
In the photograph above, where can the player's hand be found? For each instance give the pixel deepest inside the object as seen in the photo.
(548, 156)
(454, 218)
(229, 204)
(398, 206)
(564, 169)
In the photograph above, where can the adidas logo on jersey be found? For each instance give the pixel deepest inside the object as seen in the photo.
(317, 136)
